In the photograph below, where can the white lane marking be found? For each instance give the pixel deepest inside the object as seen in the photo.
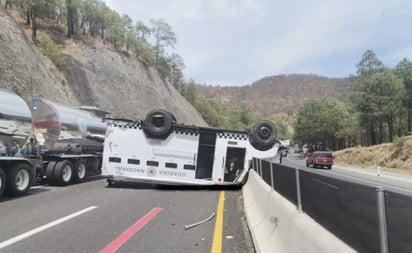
(44, 227)
(370, 181)
(37, 187)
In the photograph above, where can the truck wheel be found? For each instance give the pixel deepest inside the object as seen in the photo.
(159, 123)
(262, 136)
(79, 171)
(63, 173)
(110, 181)
(244, 181)
(49, 173)
(2, 182)
(93, 164)
(19, 179)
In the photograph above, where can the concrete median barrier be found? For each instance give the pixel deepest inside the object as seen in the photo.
(277, 226)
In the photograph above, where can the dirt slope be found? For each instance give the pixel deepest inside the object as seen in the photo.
(93, 74)
(395, 156)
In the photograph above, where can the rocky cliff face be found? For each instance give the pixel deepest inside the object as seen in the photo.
(93, 75)
(24, 70)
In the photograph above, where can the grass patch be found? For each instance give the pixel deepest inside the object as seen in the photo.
(395, 156)
(51, 50)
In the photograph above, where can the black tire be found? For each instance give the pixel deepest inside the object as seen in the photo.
(262, 136)
(307, 164)
(94, 165)
(159, 123)
(110, 181)
(246, 178)
(63, 173)
(49, 172)
(19, 180)
(329, 167)
(2, 182)
(80, 171)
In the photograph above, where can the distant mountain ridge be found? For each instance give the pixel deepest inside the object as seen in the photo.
(280, 95)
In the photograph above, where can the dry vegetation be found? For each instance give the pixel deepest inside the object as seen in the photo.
(280, 95)
(396, 156)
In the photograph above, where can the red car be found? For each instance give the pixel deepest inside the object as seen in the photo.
(320, 159)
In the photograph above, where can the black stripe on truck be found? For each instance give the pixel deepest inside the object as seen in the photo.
(152, 163)
(171, 165)
(133, 161)
(189, 167)
(115, 159)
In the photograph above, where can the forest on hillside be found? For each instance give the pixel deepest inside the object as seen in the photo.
(371, 107)
(379, 109)
(92, 20)
(81, 19)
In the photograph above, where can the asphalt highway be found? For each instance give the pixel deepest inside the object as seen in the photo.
(90, 217)
(394, 182)
(130, 217)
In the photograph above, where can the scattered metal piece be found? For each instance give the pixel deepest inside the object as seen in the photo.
(200, 222)
(274, 220)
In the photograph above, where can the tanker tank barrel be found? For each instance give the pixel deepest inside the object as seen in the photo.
(53, 122)
(15, 121)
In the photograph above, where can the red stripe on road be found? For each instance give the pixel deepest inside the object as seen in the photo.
(126, 235)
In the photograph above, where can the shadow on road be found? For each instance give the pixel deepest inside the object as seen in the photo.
(33, 191)
(140, 185)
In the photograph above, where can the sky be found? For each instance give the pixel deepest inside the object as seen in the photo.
(237, 42)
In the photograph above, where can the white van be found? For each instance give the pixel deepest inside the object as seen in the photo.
(160, 151)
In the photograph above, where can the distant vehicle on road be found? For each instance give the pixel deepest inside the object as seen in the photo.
(3, 148)
(320, 159)
(297, 149)
(284, 147)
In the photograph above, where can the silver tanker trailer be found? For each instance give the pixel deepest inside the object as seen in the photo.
(44, 141)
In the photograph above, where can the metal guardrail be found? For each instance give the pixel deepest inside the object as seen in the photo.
(366, 218)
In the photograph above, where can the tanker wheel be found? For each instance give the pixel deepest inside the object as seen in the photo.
(110, 181)
(63, 173)
(79, 171)
(19, 179)
(49, 173)
(2, 182)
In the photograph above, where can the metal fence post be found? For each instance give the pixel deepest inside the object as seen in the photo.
(298, 190)
(272, 181)
(383, 229)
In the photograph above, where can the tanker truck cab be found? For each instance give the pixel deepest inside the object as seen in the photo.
(16, 171)
(47, 142)
(160, 151)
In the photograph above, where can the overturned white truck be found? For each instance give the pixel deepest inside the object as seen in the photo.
(160, 151)
(46, 141)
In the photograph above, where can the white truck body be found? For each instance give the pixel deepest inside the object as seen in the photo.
(188, 155)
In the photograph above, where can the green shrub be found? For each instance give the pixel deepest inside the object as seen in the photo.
(51, 50)
(396, 143)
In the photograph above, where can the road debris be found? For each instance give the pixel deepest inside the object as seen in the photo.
(200, 222)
